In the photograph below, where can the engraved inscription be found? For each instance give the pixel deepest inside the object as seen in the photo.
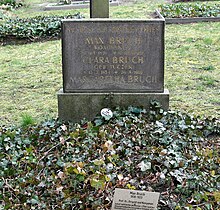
(113, 56)
(114, 79)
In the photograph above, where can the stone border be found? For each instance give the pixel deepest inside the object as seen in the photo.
(75, 5)
(13, 40)
(188, 20)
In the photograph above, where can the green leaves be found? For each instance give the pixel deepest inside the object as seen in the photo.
(34, 28)
(66, 166)
(144, 165)
(183, 10)
(98, 181)
(12, 3)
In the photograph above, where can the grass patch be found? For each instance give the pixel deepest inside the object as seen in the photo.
(207, 80)
(187, 56)
(31, 75)
(27, 120)
(140, 9)
(30, 80)
(208, 68)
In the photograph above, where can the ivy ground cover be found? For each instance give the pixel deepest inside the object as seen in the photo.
(184, 10)
(56, 165)
(33, 29)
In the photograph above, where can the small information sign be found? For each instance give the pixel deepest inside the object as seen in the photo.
(134, 200)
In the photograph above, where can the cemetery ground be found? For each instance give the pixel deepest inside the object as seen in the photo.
(32, 74)
(52, 165)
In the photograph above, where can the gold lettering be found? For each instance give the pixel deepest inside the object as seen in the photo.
(95, 60)
(130, 79)
(111, 40)
(122, 59)
(137, 60)
(117, 40)
(118, 79)
(140, 59)
(154, 79)
(114, 60)
(138, 41)
(93, 41)
(141, 79)
(133, 79)
(112, 66)
(104, 72)
(136, 78)
(78, 80)
(102, 67)
(125, 59)
(100, 59)
(89, 41)
(133, 60)
(148, 79)
(106, 60)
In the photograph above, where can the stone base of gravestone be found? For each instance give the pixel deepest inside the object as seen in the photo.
(76, 106)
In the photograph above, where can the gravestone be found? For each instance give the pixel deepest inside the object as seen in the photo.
(109, 63)
(99, 8)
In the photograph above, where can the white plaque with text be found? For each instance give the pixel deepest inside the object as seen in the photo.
(125, 199)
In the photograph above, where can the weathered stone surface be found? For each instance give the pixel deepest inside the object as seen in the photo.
(76, 106)
(99, 8)
(113, 56)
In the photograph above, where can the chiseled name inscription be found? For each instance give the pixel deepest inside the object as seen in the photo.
(114, 59)
(115, 29)
(113, 56)
(115, 79)
(113, 68)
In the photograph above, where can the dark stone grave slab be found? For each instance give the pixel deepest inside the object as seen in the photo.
(113, 56)
(109, 63)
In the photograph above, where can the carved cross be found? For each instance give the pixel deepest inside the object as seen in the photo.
(99, 8)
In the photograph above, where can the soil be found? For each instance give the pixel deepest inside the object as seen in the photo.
(12, 40)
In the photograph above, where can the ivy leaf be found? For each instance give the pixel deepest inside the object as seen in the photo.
(217, 196)
(144, 165)
(98, 182)
(98, 122)
(98, 162)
